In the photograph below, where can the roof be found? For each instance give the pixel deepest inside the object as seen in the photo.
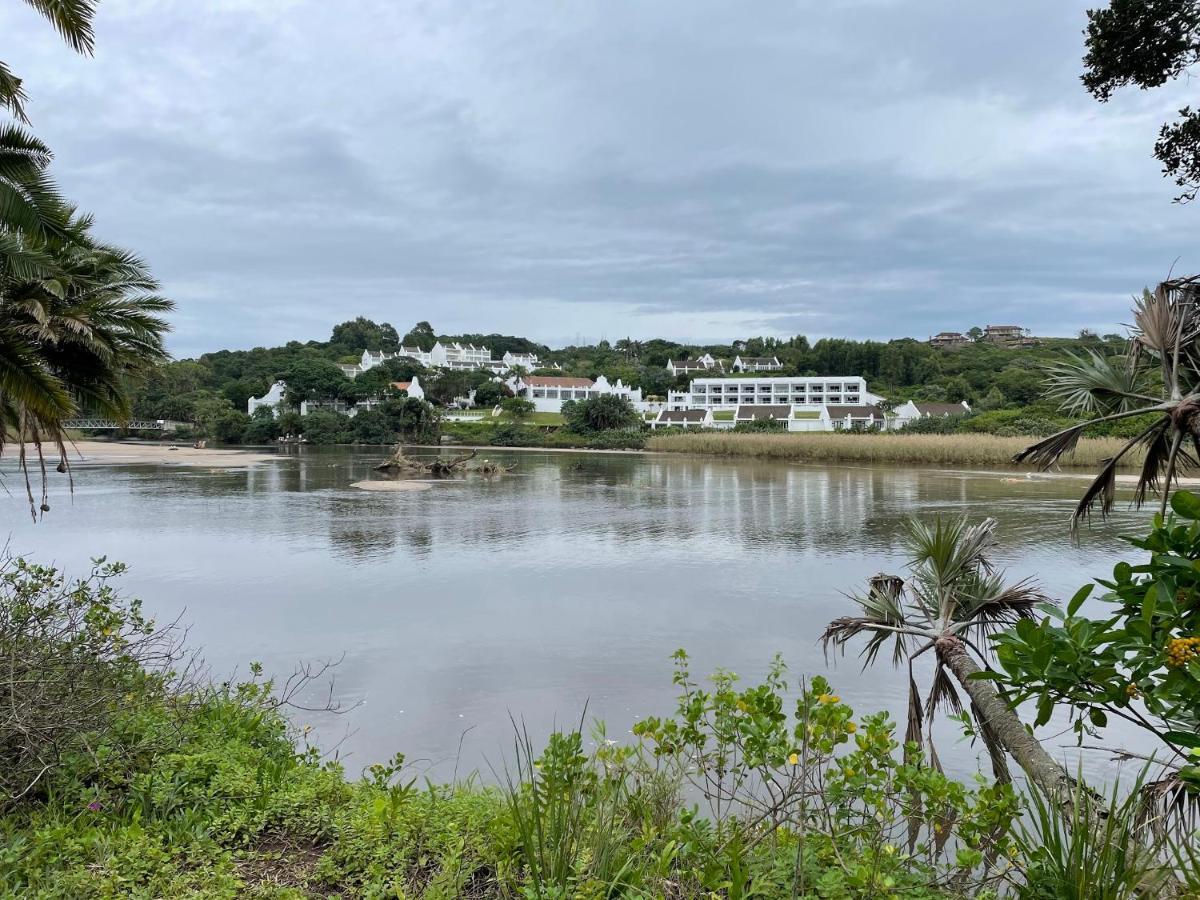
(941, 409)
(682, 415)
(764, 411)
(1004, 328)
(854, 412)
(949, 334)
(557, 381)
(773, 360)
(687, 364)
(402, 385)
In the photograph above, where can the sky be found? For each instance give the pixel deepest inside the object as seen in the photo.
(571, 171)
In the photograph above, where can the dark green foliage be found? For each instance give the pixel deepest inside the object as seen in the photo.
(372, 426)
(1146, 43)
(607, 412)
(490, 393)
(762, 425)
(422, 335)
(518, 408)
(263, 427)
(351, 338)
(324, 426)
(230, 427)
(314, 379)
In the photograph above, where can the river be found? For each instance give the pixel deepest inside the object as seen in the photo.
(566, 584)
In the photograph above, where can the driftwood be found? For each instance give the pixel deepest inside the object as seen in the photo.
(399, 464)
(490, 467)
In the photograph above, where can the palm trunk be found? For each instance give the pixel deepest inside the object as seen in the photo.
(1009, 730)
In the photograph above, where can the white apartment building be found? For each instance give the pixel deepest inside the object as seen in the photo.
(527, 361)
(730, 393)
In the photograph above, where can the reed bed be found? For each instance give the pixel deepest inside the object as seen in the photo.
(929, 449)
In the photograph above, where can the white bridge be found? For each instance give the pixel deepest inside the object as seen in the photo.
(114, 425)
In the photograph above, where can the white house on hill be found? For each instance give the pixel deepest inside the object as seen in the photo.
(756, 364)
(272, 399)
(412, 388)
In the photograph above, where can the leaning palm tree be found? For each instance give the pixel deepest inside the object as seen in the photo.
(72, 339)
(1158, 378)
(952, 597)
(72, 19)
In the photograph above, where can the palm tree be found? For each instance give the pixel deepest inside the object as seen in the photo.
(1159, 377)
(78, 320)
(72, 19)
(952, 596)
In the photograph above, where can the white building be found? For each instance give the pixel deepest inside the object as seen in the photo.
(548, 393)
(683, 418)
(730, 393)
(913, 410)
(527, 361)
(462, 356)
(703, 363)
(412, 388)
(756, 364)
(851, 416)
(273, 398)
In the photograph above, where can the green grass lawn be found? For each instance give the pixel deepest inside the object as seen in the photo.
(805, 414)
(723, 415)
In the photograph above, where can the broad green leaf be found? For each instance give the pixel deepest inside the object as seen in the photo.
(1077, 601)
(1186, 504)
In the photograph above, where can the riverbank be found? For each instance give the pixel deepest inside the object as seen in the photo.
(120, 452)
(927, 449)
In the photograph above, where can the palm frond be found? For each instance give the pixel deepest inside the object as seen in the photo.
(72, 19)
(12, 94)
(1093, 384)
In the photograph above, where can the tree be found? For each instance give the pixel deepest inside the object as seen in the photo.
(1147, 43)
(413, 420)
(230, 426)
(952, 597)
(72, 19)
(372, 426)
(323, 426)
(490, 393)
(975, 333)
(518, 408)
(602, 413)
(1139, 660)
(313, 379)
(363, 334)
(421, 336)
(1159, 377)
(263, 427)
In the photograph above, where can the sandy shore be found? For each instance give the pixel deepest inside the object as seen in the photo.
(165, 454)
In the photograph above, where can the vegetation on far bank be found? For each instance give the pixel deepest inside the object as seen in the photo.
(883, 447)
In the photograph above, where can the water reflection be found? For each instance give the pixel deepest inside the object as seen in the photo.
(568, 582)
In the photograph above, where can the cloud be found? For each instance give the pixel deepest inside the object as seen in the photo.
(697, 170)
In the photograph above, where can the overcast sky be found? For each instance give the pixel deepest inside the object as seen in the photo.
(574, 170)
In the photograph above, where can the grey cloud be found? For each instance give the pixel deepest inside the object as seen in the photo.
(694, 170)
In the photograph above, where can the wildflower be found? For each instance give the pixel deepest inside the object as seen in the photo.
(794, 759)
(851, 727)
(95, 806)
(1180, 651)
(829, 698)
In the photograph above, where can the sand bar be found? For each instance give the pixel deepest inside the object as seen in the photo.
(392, 487)
(164, 454)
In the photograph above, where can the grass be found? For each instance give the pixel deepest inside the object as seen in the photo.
(933, 449)
(723, 415)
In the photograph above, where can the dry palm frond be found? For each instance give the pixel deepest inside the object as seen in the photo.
(1169, 804)
(883, 619)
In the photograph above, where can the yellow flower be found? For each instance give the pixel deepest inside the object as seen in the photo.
(1180, 651)
(794, 759)
(1131, 690)
(851, 727)
(829, 698)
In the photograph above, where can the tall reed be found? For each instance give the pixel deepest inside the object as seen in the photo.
(932, 449)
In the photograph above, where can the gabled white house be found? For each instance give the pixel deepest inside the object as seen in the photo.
(412, 388)
(756, 364)
(914, 409)
(273, 398)
(847, 418)
(683, 418)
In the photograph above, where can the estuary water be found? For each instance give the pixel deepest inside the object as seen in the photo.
(561, 587)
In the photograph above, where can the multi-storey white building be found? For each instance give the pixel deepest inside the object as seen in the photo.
(527, 361)
(730, 393)
(549, 392)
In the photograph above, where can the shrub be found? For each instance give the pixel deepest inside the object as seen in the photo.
(607, 412)
(517, 408)
(758, 425)
(323, 426)
(72, 655)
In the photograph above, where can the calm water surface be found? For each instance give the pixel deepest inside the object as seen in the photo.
(568, 583)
